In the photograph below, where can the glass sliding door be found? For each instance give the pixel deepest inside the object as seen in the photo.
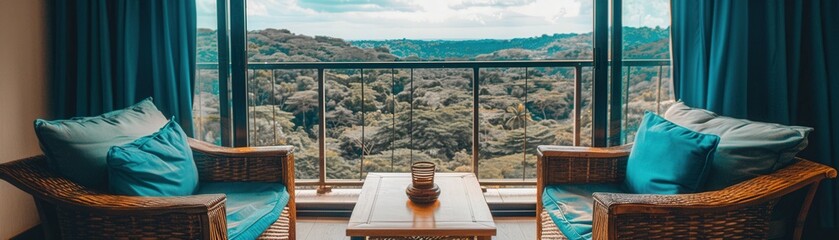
(372, 86)
(645, 72)
(211, 108)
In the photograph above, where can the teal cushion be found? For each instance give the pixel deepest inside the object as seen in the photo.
(570, 206)
(667, 158)
(747, 149)
(251, 206)
(160, 164)
(77, 147)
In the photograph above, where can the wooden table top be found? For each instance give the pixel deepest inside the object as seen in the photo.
(383, 208)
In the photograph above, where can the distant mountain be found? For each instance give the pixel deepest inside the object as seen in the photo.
(641, 42)
(460, 49)
(280, 45)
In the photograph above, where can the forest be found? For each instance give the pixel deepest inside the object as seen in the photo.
(381, 120)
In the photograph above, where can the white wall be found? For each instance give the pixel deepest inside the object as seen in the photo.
(23, 97)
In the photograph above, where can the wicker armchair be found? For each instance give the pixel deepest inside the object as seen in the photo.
(741, 211)
(71, 211)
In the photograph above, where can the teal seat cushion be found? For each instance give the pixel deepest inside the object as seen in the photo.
(667, 158)
(160, 164)
(747, 149)
(571, 206)
(77, 148)
(251, 206)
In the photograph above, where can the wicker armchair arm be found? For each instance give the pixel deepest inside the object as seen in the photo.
(584, 152)
(270, 151)
(761, 188)
(137, 206)
(246, 164)
(87, 213)
(740, 209)
(566, 164)
(112, 217)
(34, 177)
(96, 216)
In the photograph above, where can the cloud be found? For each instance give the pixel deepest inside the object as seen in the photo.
(457, 5)
(439, 19)
(340, 6)
(205, 11)
(553, 11)
(637, 13)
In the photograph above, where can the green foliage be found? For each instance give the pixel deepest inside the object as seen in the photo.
(390, 117)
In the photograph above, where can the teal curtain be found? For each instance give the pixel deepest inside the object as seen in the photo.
(109, 54)
(766, 60)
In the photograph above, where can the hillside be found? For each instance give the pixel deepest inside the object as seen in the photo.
(380, 120)
(280, 45)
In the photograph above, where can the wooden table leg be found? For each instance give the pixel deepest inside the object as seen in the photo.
(484, 237)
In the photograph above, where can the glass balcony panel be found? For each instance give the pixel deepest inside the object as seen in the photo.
(376, 137)
(205, 107)
(586, 107)
(344, 112)
(643, 95)
(284, 111)
(442, 118)
(388, 123)
(504, 121)
(550, 101)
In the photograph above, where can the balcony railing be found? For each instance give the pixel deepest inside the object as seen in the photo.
(429, 111)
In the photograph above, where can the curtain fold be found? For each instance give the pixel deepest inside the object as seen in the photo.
(765, 60)
(109, 54)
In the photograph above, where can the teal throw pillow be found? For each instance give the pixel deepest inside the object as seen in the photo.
(747, 149)
(160, 164)
(77, 147)
(667, 158)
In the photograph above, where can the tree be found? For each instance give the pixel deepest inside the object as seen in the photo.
(433, 107)
(302, 103)
(518, 117)
(552, 105)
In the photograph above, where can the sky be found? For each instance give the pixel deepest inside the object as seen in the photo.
(433, 19)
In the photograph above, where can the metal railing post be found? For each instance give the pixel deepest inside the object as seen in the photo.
(322, 187)
(578, 102)
(252, 114)
(411, 118)
(392, 119)
(274, 103)
(524, 146)
(476, 78)
(363, 149)
(658, 90)
(198, 132)
(625, 105)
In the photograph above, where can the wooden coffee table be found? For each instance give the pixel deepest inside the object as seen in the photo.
(384, 211)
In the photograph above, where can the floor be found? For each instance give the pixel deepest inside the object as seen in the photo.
(321, 228)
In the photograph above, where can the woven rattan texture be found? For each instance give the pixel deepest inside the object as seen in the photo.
(741, 211)
(280, 229)
(549, 229)
(214, 168)
(584, 170)
(71, 211)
